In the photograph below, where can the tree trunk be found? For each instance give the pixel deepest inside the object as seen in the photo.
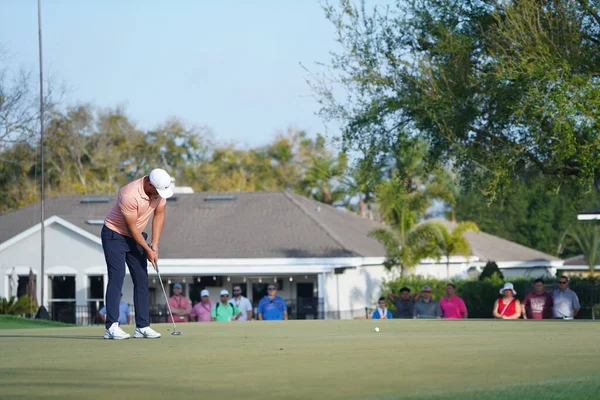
(370, 208)
(454, 214)
(361, 207)
(326, 195)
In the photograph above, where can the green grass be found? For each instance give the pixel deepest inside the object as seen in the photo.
(425, 359)
(14, 322)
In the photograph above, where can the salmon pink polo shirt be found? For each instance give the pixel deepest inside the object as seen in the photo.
(134, 201)
(453, 308)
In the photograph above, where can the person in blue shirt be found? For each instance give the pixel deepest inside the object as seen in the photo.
(382, 312)
(272, 307)
(124, 312)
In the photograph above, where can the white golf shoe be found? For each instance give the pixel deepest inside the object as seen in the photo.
(147, 333)
(115, 332)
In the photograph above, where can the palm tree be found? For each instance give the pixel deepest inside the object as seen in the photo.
(16, 306)
(404, 249)
(587, 237)
(447, 243)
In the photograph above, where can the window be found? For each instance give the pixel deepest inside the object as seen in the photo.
(95, 287)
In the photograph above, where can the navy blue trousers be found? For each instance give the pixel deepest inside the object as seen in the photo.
(118, 250)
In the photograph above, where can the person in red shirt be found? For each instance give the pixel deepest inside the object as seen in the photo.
(508, 306)
(180, 305)
(538, 304)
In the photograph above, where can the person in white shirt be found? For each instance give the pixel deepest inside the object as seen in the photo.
(242, 303)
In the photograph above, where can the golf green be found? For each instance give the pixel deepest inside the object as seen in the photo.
(407, 359)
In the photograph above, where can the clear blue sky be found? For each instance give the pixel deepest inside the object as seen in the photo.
(230, 65)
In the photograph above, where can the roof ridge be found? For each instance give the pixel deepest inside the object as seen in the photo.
(316, 221)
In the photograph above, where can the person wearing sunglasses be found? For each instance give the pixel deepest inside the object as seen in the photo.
(566, 302)
(272, 307)
(242, 303)
(224, 311)
(426, 307)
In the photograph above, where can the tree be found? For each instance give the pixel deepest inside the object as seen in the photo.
(405, 248)
(586, 236)
(499, 88)
(489, 270)
(324, 172)
(403, 198)
(16, 306)
(450, 242)
(530, 214)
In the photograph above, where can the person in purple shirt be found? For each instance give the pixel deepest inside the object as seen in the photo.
(272, 307)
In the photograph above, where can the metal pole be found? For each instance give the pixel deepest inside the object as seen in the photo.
(41, 148)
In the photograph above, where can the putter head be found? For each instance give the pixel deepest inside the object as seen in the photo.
(177, 333)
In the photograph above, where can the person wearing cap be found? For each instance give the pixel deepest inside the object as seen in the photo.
(566, 302)
(242, 303)
(272, 307)
(426, 307)
(124, 242)
(452, 306)
(508, 306)
(180, 305)
(224, 311)
(203, 309)
(124, 313)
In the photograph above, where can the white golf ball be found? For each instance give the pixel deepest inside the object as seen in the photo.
(376, 329)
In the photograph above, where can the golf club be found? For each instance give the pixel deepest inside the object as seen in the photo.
(175, 332)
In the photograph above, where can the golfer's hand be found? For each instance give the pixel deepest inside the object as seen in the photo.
(155, 248)
(152, 257)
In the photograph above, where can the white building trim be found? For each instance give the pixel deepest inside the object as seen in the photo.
(61, 271)
(49, 221)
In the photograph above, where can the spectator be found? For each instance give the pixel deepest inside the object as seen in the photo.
(224, 311)
(382, 312)
(452, 306)
(242, 303)
(426, 307)
(566, 302)
(180, 305)
(202, 311)
(508, 306)
(124, 313)
(404, 304)
(272, 307)
(538, 304)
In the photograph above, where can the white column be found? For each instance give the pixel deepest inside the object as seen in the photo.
(322, 290)
(81, 289)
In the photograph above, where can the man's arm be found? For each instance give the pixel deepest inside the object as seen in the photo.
(576, 305)
(285, 315)
(158, 222)
(130, 220)
(249, 311)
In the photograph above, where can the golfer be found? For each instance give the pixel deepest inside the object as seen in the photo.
(124, 243)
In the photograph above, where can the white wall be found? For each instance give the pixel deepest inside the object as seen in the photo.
(64, 248)
(350, 292)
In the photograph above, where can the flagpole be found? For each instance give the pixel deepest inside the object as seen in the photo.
(42, 151)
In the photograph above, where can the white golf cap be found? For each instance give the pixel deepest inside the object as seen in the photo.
(224, 292)
(161, 180)
(204, 293)
(508, 286)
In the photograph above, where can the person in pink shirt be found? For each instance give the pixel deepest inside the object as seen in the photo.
(452, 306)
(180, 305)
(202, 310)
